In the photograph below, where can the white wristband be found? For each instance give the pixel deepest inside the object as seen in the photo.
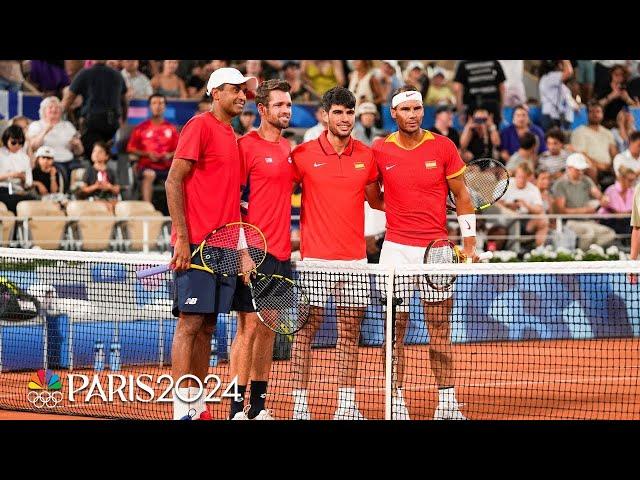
(242, 240)
(467, 225)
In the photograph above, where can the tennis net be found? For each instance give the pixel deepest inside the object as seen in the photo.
(514, 341)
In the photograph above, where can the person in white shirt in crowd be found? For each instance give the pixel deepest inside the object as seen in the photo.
(555, 96)
(630, 158)
(514, 93)
(554, 160)
(523, 197)
(138, 85)
(52, 131)
(15, 169)
(625, 126)
(576, 193)
(24, 122)
(365, 129)
(315, 131)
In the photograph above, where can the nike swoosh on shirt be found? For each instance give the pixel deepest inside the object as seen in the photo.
(318, 164)
(389, 167)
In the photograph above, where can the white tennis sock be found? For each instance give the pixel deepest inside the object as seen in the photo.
(447, 397)
(300, 400)
(180, 408)
(198, 405)
(347, 398)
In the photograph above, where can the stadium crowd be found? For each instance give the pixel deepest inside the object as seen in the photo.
(82, 146)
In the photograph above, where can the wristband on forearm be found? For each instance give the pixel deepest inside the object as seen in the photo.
(467, 224)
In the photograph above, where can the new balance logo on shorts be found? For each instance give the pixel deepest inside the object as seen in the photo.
(191, 301)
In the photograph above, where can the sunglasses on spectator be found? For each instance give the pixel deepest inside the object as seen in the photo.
(15, 142)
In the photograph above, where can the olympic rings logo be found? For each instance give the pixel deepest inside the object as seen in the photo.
(44, 399)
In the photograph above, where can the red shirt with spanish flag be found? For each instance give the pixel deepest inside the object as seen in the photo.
(415, 186)
(332, 212)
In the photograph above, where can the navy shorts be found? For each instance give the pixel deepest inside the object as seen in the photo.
(270, 266)
(196, 291)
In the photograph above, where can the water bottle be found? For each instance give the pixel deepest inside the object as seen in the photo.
(114, 357)
(213, 360)
(98, 363)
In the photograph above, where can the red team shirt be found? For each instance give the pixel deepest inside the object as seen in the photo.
(149, 137)
(415, 186)
(268, 172)
(332, 213)
(212, 188)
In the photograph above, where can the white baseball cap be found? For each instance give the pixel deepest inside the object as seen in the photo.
(232, 76)
(45, 151)
(577, 160)
(367, 107)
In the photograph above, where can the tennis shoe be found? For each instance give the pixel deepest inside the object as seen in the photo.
(264, 415)
(352, 414)
(449, 412)
(243, 414)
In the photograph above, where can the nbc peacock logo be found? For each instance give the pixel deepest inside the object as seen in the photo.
(44, 389)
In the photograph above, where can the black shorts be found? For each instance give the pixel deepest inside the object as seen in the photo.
(270, 266)
(161, 175)
(196, 291)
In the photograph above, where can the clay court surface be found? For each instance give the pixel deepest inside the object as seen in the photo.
(562, 379)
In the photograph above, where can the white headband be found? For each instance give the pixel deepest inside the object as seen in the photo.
(405, 97)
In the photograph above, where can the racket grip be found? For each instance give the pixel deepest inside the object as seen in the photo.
(147, 272)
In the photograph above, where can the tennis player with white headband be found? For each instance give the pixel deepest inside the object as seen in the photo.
(418, 168)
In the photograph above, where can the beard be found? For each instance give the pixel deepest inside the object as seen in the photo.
(279, 123)
(338, 133)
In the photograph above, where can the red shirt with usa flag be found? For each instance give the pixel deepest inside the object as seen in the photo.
(415, 186)
(212, 188)
(268, 179)
(333, 195)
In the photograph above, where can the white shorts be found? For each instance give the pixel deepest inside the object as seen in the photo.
(397, 254)
(349, 289)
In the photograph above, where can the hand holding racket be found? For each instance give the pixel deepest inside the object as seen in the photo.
(234, 249)
(487, 181)
(281, 305)
(446, 252)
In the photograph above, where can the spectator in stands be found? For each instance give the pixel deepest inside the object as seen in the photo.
(138, 85)
(204, 105)
(153, 142)
(525, 154)
(523, 197)
(629, 158)
(390, 77)
(23, 122)
(615, 96)
(45, 175)
(315, 131)
(48, 76)
(480, 82)
(104, 105)
(618, 198)
(323, 75)
(444, 124)
(216, 64)
(555, 96)
(253, 68)
(365, 129)
(439, 91)
(625, 125)
(15, 168)
(271, 68)
(554, 160)
(300, 90)
(115, 64)
(416, 75)
(576, 193)
(244, 123)
(480, 137)
(543, 182)
(597, 144)
(364, 84)
(100, 180)
(197, 84)
(60, 135)
(11, 77)
(585, 74)
(514, 93)
(510, 136)
(167, 82)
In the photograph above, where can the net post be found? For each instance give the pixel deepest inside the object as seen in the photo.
(145, 236)
(388, 346)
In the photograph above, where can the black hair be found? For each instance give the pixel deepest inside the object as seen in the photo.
(338, 96)
(158, 95)
(528, 141)
(556, 133)
(15, 132)
(634, 136)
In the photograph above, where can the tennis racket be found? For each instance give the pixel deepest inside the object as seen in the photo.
(487, 180)
(280, 303)
(221, 249)
(446, 252)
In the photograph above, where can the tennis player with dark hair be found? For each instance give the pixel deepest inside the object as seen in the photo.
(336, 172)
(418, 168)
(203, 193)
(268, 179)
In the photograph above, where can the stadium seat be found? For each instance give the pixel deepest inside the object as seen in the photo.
(93, 235)
(41, 233)
(7, 225)
(134, 229)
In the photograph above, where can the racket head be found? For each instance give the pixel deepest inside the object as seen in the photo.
(441, 252)
(280, 303)
(220, 250)
(487, 180)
